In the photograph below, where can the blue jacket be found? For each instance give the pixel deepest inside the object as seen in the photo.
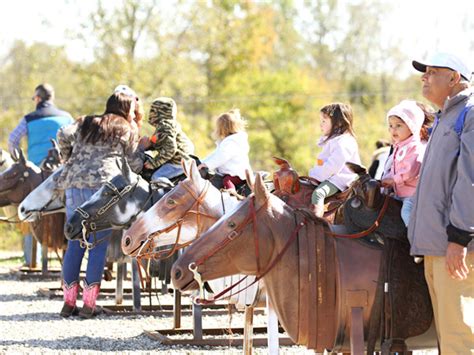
(43, 125)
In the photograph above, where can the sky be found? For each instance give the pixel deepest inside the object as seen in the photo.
(417, 26)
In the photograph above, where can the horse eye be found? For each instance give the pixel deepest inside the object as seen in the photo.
(171, 202)
(231, 224)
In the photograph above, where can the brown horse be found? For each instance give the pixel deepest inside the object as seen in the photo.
(323, 287)
(16, 183)
(179, 218)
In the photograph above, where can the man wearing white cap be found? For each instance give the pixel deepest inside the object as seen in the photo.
(442, 221)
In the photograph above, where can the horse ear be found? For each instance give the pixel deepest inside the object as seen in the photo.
(55, 144)
(194, 172)
(126, 171)
(261, 192)
(21, 157)
(250, 179)
(15, 154)
(184, 166)
(357, 169)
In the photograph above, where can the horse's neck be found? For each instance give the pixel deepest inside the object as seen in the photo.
(282, 282)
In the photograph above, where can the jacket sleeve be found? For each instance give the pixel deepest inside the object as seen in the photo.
(410, 168)
(20, 131)
(461, 216)
(224, 152)
(339, 155)
(166, 144)
(66, 137)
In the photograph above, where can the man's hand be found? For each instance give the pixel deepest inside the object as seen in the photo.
(456, 261)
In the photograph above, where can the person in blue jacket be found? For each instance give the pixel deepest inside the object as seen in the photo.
(38, 127)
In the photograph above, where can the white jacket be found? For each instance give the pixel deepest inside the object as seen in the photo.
(231, 156)
(331, 163)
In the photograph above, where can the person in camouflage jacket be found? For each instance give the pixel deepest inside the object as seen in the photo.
(90, 148)
(169, 143)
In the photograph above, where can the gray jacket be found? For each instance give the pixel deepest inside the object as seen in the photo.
(444, 200)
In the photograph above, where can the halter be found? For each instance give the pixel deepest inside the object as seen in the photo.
(88, 224)
(250, 219)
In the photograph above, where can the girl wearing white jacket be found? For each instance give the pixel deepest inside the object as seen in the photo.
(231, 157)
(339, 146)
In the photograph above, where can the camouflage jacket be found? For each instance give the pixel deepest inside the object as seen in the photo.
(91, 165)
(169, 143)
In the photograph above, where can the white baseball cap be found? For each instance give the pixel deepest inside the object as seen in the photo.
(445, 60)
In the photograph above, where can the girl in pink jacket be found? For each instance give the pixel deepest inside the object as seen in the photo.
(339, 146)
(405, 122)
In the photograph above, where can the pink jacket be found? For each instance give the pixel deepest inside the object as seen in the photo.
(331, 163)
(405, 170)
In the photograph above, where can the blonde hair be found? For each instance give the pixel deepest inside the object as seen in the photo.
(229, 123)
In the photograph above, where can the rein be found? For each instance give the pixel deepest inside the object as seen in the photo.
(369, 230)
(250, 219)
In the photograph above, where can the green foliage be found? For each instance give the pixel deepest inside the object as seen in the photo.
(276, 61)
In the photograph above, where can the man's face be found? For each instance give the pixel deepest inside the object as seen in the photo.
(436, 84)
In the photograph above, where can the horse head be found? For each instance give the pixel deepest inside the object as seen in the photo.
(44, 199)
(18, 180)
(114, 205)
(178, 218)
(227, 248)
(367, 205)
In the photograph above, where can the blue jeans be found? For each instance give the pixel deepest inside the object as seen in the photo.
(406, 208)
(167, 170)
(74, 253)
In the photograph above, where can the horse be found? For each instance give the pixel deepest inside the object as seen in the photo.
(6, 161)
(43, 200)
(177, 219)
(116, 204)
(319, 277)
(16, 183)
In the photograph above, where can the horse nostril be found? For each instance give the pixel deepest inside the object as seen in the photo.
(68, 228)
(22, 209)
(178, 274)
(128, 241)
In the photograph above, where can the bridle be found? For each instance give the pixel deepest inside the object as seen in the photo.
(146, 249)
(251, 218)
(88, 222)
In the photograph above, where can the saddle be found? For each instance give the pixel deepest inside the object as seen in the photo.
(402, 306)
(296, 190)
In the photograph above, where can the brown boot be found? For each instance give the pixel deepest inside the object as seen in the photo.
(70, 296)
(318, 210)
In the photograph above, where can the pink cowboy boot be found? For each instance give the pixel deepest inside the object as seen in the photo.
(89, 297)
(70, 297)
